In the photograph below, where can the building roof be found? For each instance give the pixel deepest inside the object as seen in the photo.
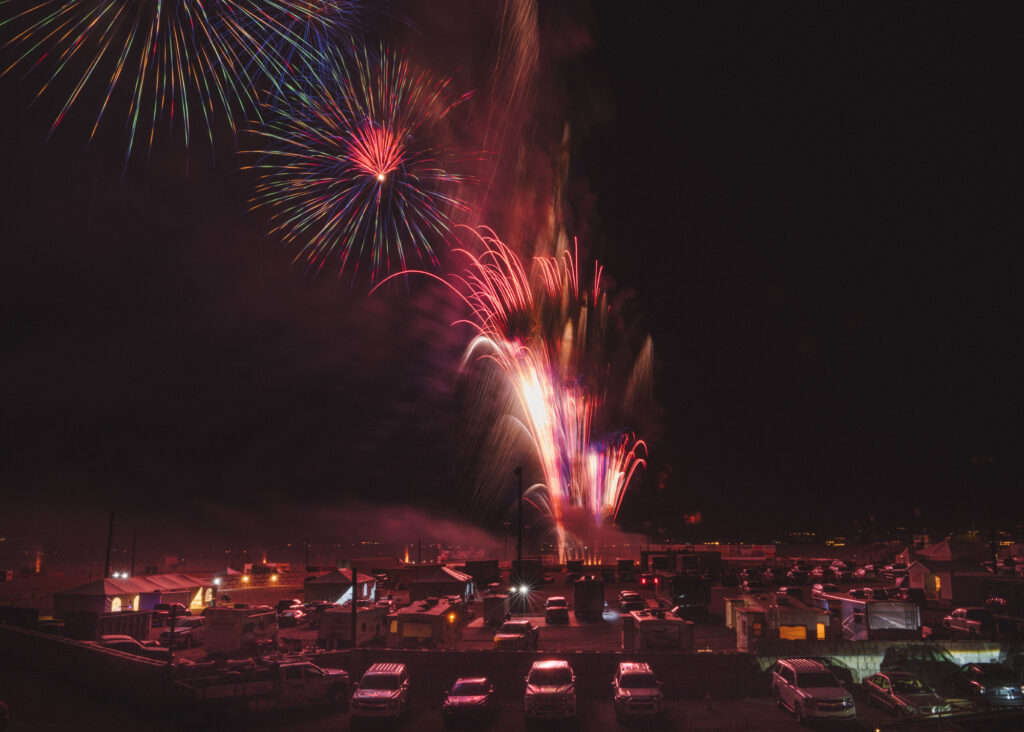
(109, 587)
(340, 577)
(444, 574)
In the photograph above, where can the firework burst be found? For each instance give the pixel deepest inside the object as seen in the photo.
(356, 166)
(188, 62)
(545, 335)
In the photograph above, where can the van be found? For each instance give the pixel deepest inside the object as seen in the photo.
(383, 692)
(810, 691)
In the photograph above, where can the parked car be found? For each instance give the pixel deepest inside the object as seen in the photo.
(382, 692)
(556, 610)
(517, 634)
(550, 690)
(127, 644)
(469, 700)
(636, 691)
(188, 632)
(791, 591)
(810, 691)
(929, 662)
(753, 585)
(265, 685)
(823, 588)
(988, 685)
(291, 617)
(283, 605)
(646, 579)
(162, 612)
(901, 692)
(630, 601)
(977, 622)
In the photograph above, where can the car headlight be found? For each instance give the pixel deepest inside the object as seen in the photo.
(910, 709)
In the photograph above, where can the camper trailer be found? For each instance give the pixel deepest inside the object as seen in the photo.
(435, 622)
(869, 619)
(335, 629)
(239, 631)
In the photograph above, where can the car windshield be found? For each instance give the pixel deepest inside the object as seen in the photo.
(911, 686)
(818, 680)
(550, 677)
(470, 688)
(514, 627)
(556, 603)
(379, 681)
(998, 677)
(638, 681)
(187, 623)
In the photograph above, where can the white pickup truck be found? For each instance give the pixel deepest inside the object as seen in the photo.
(271, 685)
(975, 621)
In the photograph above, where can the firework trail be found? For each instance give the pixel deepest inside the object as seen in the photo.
(356, 165)
(544, 333)
(186, 61)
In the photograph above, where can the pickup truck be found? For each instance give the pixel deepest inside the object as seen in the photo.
(975, 621)
(268, 686)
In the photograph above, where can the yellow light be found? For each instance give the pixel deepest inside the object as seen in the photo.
(245, 578)
(273, 578)
(380, 177)
(451, 617)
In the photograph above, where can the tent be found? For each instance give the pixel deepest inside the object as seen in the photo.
(335, 586)
(440, 581)
(133, 593)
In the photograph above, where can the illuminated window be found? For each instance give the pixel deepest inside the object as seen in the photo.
(821, 631)
(757, 629)
(792, 632)
(115, 605)
(394, 626)
(135, 603)
(938, 585)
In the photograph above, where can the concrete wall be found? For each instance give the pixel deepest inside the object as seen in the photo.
(112, 672)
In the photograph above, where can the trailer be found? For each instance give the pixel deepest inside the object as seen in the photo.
(869, 619)
(335, 629)
(267, 686)
(626, 570)
(239, 631)
(644, 630)
(435, 622)
(588, 598)
(496, 610)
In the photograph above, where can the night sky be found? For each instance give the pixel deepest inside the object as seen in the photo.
(814, 210)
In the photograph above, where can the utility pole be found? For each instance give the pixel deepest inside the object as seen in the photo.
(419, 551)
(355, 588)
(307, 554)
(110, 540)
(519, 542)
(134, 536)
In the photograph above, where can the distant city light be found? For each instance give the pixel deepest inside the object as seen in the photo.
(273, 578)
(245, 578)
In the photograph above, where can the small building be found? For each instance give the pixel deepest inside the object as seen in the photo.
(336, 587)
(434, 622)
(442, 581)
(949, 583)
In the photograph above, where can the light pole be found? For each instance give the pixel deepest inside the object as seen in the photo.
(507, 524)
(519, 541)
